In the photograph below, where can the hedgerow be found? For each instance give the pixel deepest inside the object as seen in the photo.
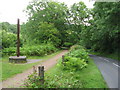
(34, 50)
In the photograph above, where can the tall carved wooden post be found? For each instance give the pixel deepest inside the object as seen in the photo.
(18, 38)
(18, 58)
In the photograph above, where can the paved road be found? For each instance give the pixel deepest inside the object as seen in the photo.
(110, 69)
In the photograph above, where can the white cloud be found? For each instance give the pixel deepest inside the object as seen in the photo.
(10, 10)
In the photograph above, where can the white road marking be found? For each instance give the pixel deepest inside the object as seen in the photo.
(109, 61)
(116, 65)
(106, 60)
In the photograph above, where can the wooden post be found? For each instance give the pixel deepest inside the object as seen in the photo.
(41, 73)
(63, 59)
(18, 38)
(34, 69)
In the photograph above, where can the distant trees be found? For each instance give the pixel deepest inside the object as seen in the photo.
(47, 33)
(53, 22)
(7, 35)
(8, 39)
(68, 22)
(53, 13)
(8, 27)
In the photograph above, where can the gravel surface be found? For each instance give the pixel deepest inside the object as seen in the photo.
(18, 80)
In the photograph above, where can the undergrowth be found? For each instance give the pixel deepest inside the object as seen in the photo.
(77, 71)
(34, 50)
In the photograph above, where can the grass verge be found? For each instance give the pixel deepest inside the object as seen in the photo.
(55, 77)
(113, 55)
(89, 77)
(10, 69)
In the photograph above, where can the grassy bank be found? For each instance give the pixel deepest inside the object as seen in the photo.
(108, 55)
(10, 69)
(89, 77)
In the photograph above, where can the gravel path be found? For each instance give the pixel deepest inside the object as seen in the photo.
(18, 80)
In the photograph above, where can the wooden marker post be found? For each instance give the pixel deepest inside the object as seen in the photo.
(34, 69)
(63, 59)
(41, 73)
(18, 38)
(18, 58)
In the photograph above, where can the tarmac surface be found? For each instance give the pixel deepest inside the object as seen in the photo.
(110, 70)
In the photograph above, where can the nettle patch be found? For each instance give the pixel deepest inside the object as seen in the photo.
(70, 65)
(76, 59)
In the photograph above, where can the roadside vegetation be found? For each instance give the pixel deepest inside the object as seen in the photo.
(102, 36)
(53, 26)
(108, 55)
(77, 71)
(54, 23)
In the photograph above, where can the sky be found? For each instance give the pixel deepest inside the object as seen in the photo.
(11, 10)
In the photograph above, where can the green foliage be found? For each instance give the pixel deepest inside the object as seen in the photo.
(8, 27)
(79, 13)
(67, 44)
(67, 22)
(47, 11)
(35, 50)
(47, 33)
(114, 56)
(8, 39)
(76, 47)
(0, 39)
(76, 59)
(80, 53)
(11, 69)
(73, 63)
(46, 15)
(103, 32)
(56, 77)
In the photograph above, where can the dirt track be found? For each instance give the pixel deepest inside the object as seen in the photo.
(17, 80)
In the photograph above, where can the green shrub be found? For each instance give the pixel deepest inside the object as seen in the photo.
(75, 47)
(9, 39)
(80, 53)
(76, 59)
(35, 50)
(67, 44)
(73, 63)
(9, 51)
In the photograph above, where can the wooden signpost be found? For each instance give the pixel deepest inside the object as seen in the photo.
(18, 58)
(18, 38)
(41, 74)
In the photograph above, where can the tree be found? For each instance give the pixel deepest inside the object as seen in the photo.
(47, 33)
(79, 18)
(8, 39)
(46, 11)
(104, 29)
(8, 27)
